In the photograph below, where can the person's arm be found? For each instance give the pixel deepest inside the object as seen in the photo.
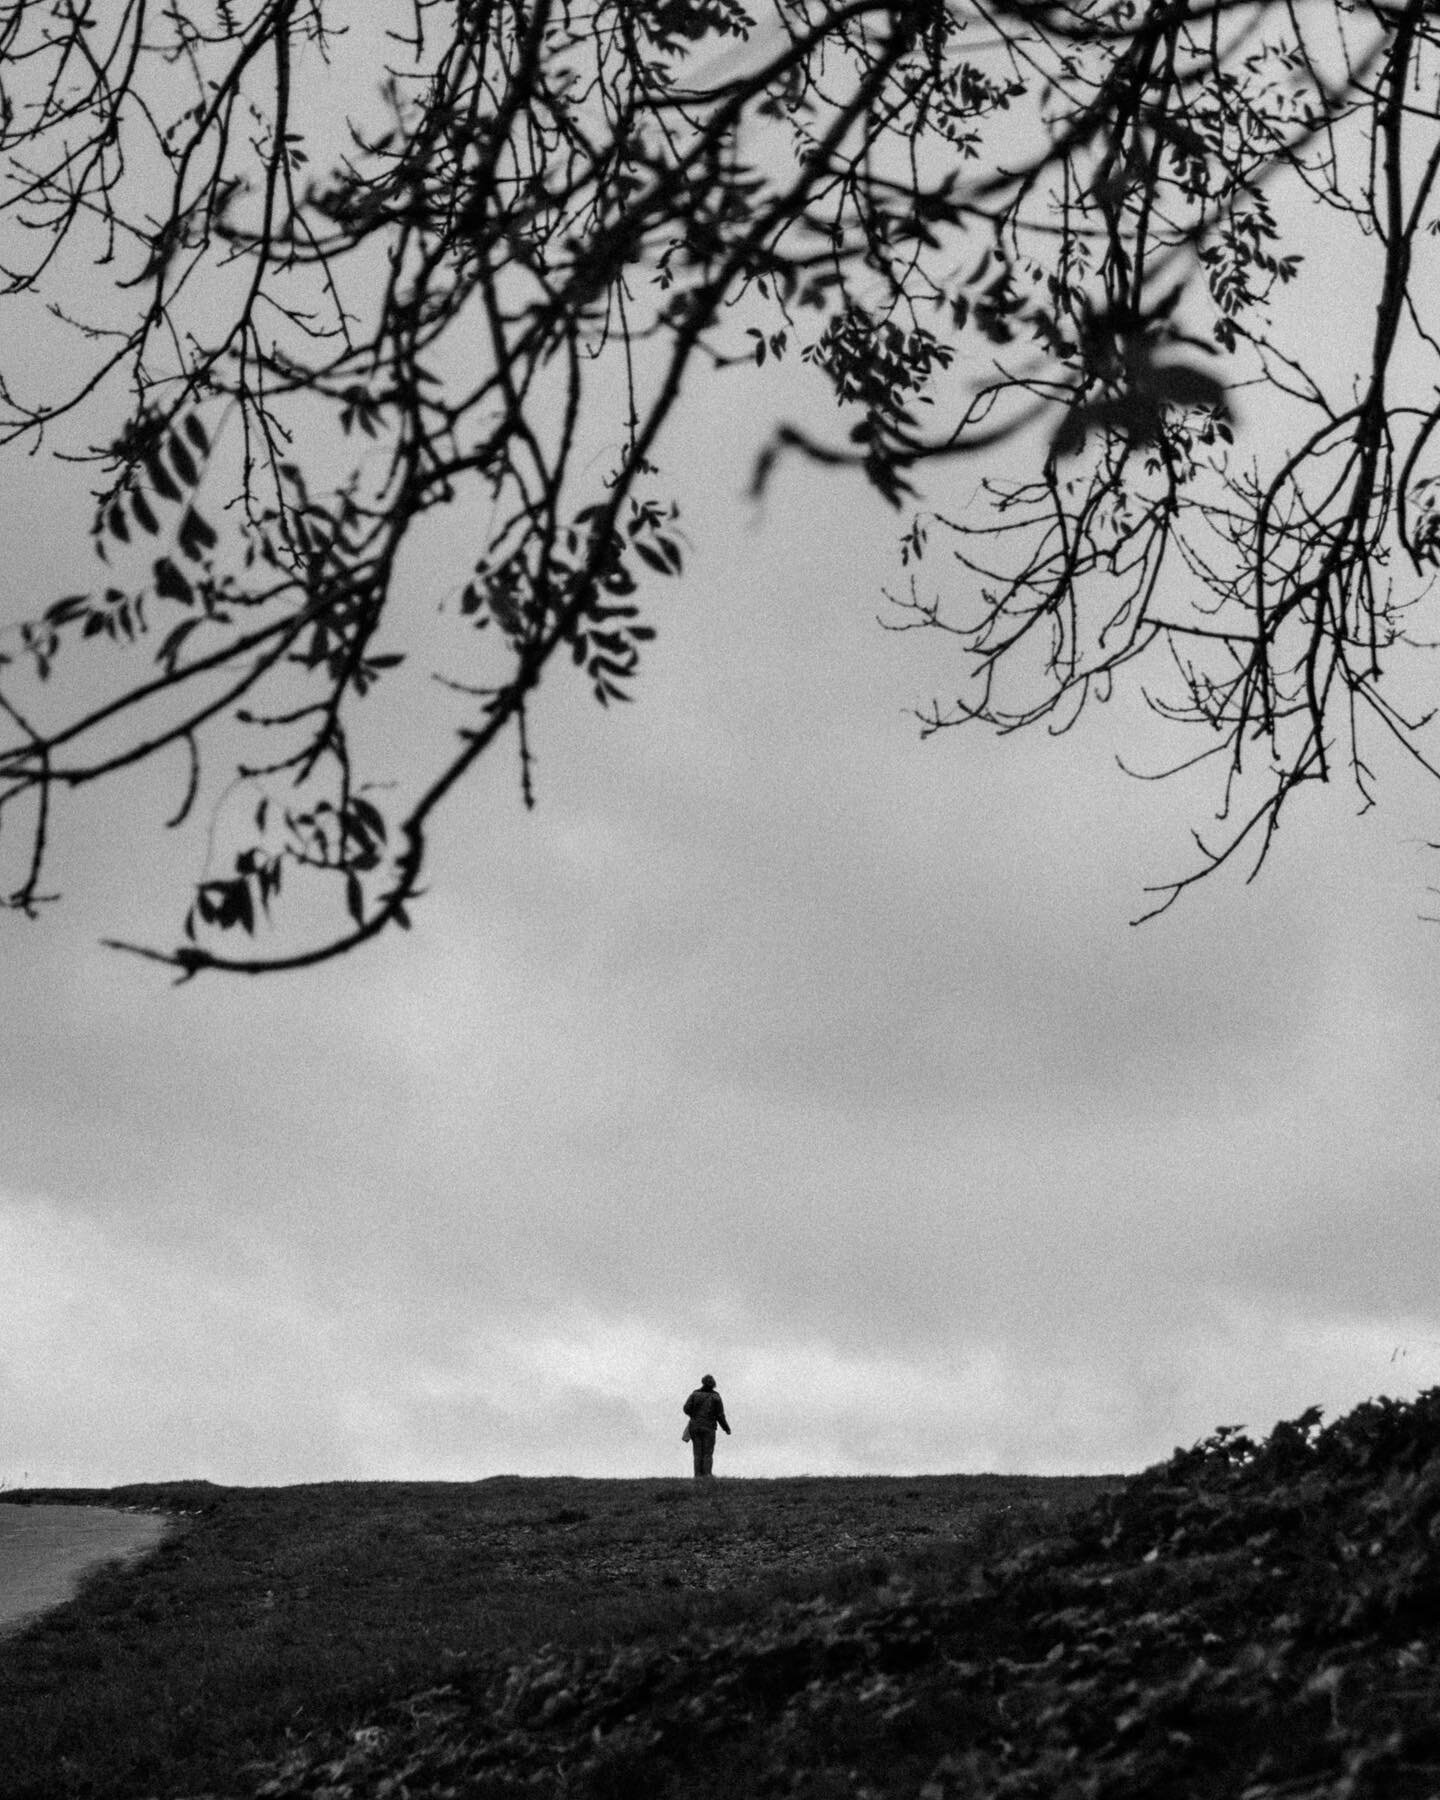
(721, 1420)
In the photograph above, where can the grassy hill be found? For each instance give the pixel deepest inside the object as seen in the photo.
(1249, 1619)
(275, 1622)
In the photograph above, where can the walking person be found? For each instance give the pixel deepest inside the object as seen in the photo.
(705, 1410)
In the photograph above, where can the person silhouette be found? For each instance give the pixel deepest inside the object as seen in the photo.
(705, 1410)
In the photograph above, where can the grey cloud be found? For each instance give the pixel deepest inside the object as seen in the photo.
(773, 1040)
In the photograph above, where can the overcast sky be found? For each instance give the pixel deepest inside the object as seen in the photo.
(774, 1044)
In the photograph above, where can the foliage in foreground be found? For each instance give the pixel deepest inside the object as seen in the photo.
(344, 322)
(1248, 1619)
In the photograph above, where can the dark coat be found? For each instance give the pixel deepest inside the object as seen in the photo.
(705, 1410)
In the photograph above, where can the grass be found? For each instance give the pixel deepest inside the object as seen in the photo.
(1254, 1620)
(1250, 1620)
(279, 1618)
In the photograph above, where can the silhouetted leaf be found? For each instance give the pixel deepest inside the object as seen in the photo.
(196, 535)
(171, 584)
(185, 465)
(652, 556)
(160, 477)
(172, 642)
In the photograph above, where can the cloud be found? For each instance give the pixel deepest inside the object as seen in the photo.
(122, 1363)
(773, 1041)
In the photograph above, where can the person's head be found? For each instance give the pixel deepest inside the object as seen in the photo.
(707, 1381)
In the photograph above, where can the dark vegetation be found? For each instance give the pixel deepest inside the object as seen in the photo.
(297, 301)
(276, 1621)
(1250, 1618)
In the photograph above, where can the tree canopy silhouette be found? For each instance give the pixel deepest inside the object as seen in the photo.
(319, 284)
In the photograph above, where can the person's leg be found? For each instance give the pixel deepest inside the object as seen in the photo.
(697, 1446)
(707, 1452)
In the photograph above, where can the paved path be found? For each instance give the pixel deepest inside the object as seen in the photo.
(45, 1550)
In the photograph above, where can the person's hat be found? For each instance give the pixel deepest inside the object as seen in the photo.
(707, 1381)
